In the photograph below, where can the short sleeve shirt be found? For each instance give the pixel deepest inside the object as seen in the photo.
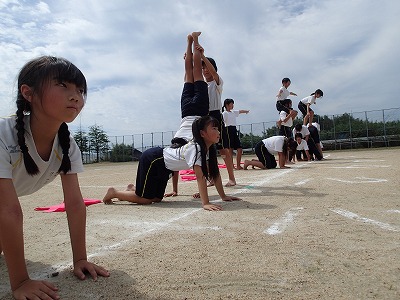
(12, 164)
(302, 146)
(274, 144)
(282, 95)
(304, 131)
(214, 94)
(282, 116)
(230, 117)
(182, 158)
(309, 100)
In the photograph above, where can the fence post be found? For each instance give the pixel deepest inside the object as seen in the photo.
(334, 130)
(366, 124)
(384, 128)
(351, 137)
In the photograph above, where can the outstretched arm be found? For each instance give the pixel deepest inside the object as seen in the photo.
(243, 111)
(210, 68)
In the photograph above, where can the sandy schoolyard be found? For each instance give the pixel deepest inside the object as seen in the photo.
(320, 230)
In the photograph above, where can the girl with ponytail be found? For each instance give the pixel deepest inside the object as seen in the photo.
(156, 166)
(36, 146)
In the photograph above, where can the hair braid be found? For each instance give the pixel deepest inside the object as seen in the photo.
(30, 165)
(63, 138)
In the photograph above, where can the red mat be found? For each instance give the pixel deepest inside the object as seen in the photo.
(61, 207)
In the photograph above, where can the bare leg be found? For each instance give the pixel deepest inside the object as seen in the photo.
(128, 195)
(197, 66)
(293, 114)
(226, 155)
(255, 163)
(189, 60)
(130, 187)
(239, 152)
(311, 118)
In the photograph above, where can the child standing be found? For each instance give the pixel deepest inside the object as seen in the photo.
(230, 135)
(35, 147)
(304, 106)
(282, 101)
(156, 166)
(266, 150)
(286, 123)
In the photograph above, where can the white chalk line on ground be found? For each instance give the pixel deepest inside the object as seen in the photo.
(359, 180)
(303, 181)
(44, 273)
(287, 219)
(393, 211)
(354, 216)
(360, 167)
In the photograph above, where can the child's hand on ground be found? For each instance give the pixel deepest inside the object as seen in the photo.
(212, 207)
(83, 266)
(36, 289)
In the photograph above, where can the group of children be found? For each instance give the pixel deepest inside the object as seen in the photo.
(36, 146)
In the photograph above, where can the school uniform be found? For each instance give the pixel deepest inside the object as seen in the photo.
(282, 101)
(156, 166)
(285, 128)
(303, 104)
(301, 148)
(194, 104)
(230, 135)
(267, 148)
(310, 141)
(12, 163)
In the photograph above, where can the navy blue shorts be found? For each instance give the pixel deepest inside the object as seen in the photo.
(152, 175)
(266, 158)
(230, 138)
(194, 100)
(303, 108)
(285, 105)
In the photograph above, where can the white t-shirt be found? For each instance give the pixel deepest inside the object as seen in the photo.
(274, 144)
(309, 100)
(182, 158)
(282, 116)
(185, 129)
(304, 131)
(302, 146)
(214, 94)
(282, 95)
(12, 165)
(230, 117)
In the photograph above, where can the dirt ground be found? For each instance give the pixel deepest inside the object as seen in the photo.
(320, 230)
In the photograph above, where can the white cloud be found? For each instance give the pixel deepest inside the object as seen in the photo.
(131, 53)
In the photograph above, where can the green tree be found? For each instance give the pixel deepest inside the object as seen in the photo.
(121, 152)
(98, 140)
(81, 139)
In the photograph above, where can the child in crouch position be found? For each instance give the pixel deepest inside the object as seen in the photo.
(266, 150)
(36, 147)
(157, 165)
(304, 106)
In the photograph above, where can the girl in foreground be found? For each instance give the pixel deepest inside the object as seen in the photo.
(157, 165)
(36, 146)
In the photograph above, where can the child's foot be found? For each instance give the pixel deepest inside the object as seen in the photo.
(196, 195)
(230, 183)
(109, 196)
(195, 34)
(239, 167)
(246, 164)
(130, 187)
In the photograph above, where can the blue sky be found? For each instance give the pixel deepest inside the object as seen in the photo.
(131, 53)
